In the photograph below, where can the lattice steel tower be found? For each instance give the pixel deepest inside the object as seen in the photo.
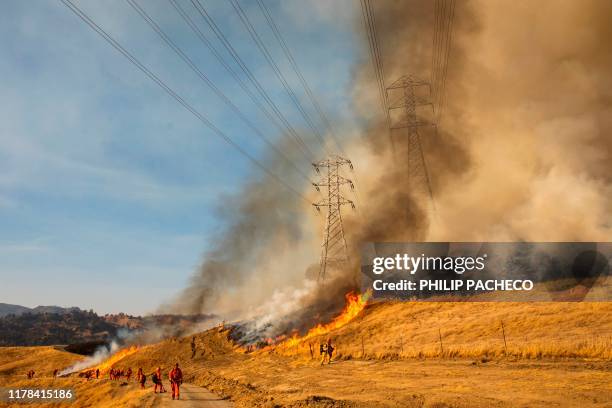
(406, 97)
(333, 249)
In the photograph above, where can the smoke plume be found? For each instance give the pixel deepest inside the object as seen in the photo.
(522, 152)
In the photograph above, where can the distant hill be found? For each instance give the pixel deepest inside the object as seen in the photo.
(50, 325)
(38, 329)
(8, 309)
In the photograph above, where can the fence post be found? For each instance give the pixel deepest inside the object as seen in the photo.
(441, 346)
(362, 348)
(504, 334)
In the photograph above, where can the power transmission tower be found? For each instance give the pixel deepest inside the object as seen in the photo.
(334, 249)
(407, 97)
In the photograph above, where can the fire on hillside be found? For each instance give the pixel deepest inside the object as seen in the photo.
(355, 303)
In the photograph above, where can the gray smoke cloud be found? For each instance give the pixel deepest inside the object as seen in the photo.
(523, 152)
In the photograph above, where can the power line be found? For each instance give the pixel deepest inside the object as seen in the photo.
(307, 154)
(279, 37)
(247, 72)
(85, 18)
(264, 50)
(178, 51)
(446, 57)
(377, 64)
(370, 29)
(441, 51)
(266, 12)
(434, 51)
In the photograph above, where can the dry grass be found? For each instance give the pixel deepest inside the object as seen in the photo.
(15, 362)
(393, 330)
(547, 345)
(268, 379)
(558, 354)
(19, 360)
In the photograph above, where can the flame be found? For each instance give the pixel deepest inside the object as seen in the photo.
(355, 303)
(109, 362)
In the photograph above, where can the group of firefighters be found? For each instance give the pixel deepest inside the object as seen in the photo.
(175, 375)
(326, 349)
(176, 379)
(116, 373)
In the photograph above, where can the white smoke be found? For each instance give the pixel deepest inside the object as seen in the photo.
(268, 319)
(101, 354)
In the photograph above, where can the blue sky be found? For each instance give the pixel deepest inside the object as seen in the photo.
(108, 187)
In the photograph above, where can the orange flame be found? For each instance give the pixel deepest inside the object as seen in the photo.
(355, 303)
(109, 362)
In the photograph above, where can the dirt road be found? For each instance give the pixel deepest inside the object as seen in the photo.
(191, 396)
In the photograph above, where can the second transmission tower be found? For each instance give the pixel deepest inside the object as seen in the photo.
(406, 97)
(334, 249)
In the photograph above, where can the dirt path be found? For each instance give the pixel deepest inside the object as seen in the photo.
(191, 396)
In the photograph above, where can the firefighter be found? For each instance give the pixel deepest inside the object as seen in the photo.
(97, 373)
(330, 350)
(142, 378)
(157, 380)
(176, 379)
(323, 352)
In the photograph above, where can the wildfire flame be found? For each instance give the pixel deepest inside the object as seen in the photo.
(109, 362)
(355, 303)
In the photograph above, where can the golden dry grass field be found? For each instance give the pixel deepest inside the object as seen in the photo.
(556, 354)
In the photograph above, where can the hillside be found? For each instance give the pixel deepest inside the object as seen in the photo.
(555, 354)
(76, 326)
(15, 362)
(391, 352)
(473, 329)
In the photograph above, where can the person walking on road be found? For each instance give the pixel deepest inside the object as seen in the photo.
(157, 381)
(176, 379)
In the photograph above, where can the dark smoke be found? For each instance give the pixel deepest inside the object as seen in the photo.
(523, 152)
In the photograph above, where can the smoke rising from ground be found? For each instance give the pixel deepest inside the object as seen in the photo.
(523, 152)
(101, 354)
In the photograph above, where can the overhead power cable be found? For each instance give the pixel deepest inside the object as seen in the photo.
(264, 50)
(369, 24)
(370, 28)
(279, 37)
(178, 51)
(91, 23)
(442, 40)
(247, 72)
(275, 121)
(449, 40)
